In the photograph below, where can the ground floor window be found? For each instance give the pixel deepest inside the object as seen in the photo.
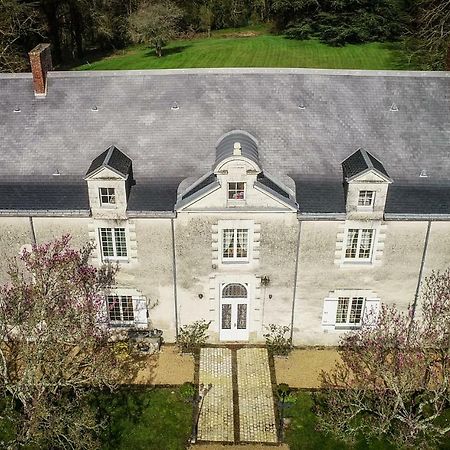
(349, 310)
(120, 309)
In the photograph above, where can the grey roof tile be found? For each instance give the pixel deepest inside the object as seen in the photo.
(343, 111)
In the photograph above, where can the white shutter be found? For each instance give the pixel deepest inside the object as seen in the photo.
(329, 311)
(140, 312)
(371, 310)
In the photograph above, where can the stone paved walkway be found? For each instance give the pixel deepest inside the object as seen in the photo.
(254, 397)
(216, 416)
(256, 407)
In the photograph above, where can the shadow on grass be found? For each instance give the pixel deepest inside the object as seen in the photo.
(167, 51)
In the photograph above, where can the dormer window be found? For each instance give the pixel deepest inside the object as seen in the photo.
(366, 199)
(107, 196)
(236, 191)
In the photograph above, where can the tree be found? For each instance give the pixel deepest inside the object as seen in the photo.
(432, 28)
(155, 24)
(54, 346)
(18, 22)
(206, 18)
(393, 381)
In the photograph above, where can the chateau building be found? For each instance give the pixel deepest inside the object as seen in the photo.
(244, 197)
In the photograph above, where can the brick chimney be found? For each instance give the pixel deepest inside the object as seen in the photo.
(41, 63)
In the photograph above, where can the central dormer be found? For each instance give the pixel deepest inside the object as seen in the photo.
(237, 166)
(237, 181)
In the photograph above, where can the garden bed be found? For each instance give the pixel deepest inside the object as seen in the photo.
(301, 369)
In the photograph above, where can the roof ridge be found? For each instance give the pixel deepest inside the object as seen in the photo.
(367, 160)
(108, 155)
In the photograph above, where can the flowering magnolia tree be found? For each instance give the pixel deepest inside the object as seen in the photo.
(54, 348)
(393, 381)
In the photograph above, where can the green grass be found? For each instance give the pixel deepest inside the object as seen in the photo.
(302, 433)
(145, 419)
(260, 50)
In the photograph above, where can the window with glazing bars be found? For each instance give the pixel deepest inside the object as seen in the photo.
(120, 308)
(349, 310)
(234, 244)
(107, 196)
(359, 243)
(366, 198)
(236, 191)
(113, 243)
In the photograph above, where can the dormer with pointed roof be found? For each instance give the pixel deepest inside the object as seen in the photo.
(109, 180)
(366, 184)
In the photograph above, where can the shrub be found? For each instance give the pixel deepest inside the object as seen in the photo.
(300, 31)
(277, 342)
(192, 336)
(187, 392)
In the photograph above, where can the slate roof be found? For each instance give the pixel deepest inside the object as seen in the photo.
(361, 162)
(225, 147)
(111, 158)
(85, 113)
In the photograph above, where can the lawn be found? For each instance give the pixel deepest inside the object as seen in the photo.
(145, 419)
(302, 433)
(255, 50)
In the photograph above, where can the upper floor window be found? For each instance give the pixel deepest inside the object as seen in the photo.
(120, 308)
(113, 243)
(236, 191)
(349, 311)
(234, 244)
(366, 198)
(359, 244)
(107, 196)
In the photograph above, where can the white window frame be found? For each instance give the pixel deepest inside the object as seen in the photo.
(352, 302)
(107, 204)
(244, 191)
(363, 196)
(357, 257)
(369, 310)
(113, 257)
(121, 321)
(234, 258)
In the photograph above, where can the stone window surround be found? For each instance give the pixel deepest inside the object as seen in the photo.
(249, 225)
(377, 246)
(127, 243)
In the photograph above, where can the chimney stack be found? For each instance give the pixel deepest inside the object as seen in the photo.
(41, 63)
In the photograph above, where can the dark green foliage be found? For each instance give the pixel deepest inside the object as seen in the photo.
(144, 419)
(340, 22)
(187, 392)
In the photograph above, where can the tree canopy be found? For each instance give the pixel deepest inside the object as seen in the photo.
(394, 378)
(54, 346)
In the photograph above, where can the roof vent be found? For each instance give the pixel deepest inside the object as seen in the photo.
(94, 108)
(301, 106)
(423, 174)
(393, 107)
(17, 109)
(237, 149)
(56, 173)
(175, 106)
